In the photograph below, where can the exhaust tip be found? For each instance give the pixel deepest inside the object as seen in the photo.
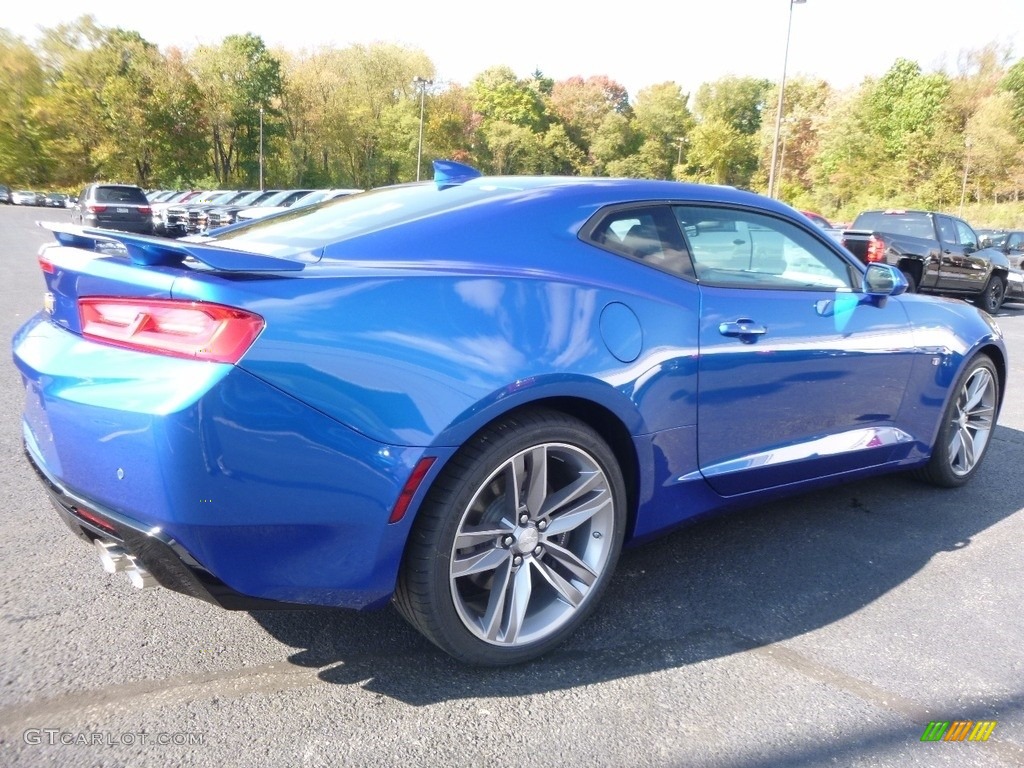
(112, 557)
(141, 578)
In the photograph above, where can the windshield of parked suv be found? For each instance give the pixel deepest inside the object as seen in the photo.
(132, 195)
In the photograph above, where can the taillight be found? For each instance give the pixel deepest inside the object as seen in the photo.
(876, 249)
(145, 210)
(189, 329)
(92, 208)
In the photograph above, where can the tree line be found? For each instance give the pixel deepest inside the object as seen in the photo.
(85, 102)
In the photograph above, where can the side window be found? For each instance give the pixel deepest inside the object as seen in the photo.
(946, 230)
(1015, 242)
(744, 249)
(648, 234)
(966, 234)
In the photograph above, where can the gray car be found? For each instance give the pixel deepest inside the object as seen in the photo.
(114, 206)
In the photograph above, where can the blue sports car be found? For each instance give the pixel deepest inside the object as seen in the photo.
(466, 395)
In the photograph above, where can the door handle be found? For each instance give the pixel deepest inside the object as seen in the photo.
(745, 329)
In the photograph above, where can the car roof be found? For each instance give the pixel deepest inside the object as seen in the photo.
(410, 210)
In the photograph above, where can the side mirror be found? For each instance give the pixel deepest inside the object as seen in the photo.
(884, 280)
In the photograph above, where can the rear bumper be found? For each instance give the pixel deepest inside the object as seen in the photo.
(144, 227)
(220, 484)
(171, 565)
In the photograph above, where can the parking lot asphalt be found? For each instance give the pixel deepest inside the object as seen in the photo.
(826, 629)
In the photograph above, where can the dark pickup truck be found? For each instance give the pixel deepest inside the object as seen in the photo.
(938, 253)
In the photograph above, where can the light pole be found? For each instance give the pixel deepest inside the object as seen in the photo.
(967, 166)
(261, 149)
(778, 111)
(421, 83)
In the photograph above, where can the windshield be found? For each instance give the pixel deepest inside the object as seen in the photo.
(276, 198)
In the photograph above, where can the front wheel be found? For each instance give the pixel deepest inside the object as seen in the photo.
(992, 297)
(966, 427)
(516, 540)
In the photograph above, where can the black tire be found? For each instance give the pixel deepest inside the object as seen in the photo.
(911, 281)
(516, 540)
(991, 299)
(966, 429)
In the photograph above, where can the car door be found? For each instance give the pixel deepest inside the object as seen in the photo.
(957, 264)
(976, 264)
(799, 375)
(76, 209)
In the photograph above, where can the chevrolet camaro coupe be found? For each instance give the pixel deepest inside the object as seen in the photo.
(466, 395)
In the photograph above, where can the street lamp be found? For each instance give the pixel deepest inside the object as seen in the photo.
(967, 167)
(782, 91)
(421, 83)
(261, 149)
(680, 140)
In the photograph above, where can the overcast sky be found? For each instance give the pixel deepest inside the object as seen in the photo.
(636, 43)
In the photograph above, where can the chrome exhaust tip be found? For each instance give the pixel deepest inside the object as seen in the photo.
(141, 578)
(112, 557)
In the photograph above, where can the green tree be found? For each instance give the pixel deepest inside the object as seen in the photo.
(237, 79)
(499, 96)
(662, 120)
(112, 106)
(1013, 83)
(736, 101)
(994, 147)
(720, 154)
(22, 83)
(582, 106)
(807, 105)
(181, 143)
(614, 139)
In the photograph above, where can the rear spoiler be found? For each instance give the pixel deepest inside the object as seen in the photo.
(149, 251)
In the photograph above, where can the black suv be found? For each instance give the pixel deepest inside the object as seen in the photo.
(114, 206)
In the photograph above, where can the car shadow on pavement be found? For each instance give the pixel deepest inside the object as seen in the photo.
(736, 582)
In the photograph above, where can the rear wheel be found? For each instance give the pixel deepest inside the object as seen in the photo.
(966, 426)
(516, 541)
(911, 281)
(992, 297)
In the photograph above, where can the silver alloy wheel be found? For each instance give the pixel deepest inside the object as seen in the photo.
(534, 539)
(972, 421)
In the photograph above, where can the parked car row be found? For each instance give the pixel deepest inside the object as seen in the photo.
(170, 213)
(938, 253)
(1009, 241)
(10, 196)
(197, 212)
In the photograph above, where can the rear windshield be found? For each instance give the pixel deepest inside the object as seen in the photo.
(314, 227)
(132, 195)
(910, 223)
